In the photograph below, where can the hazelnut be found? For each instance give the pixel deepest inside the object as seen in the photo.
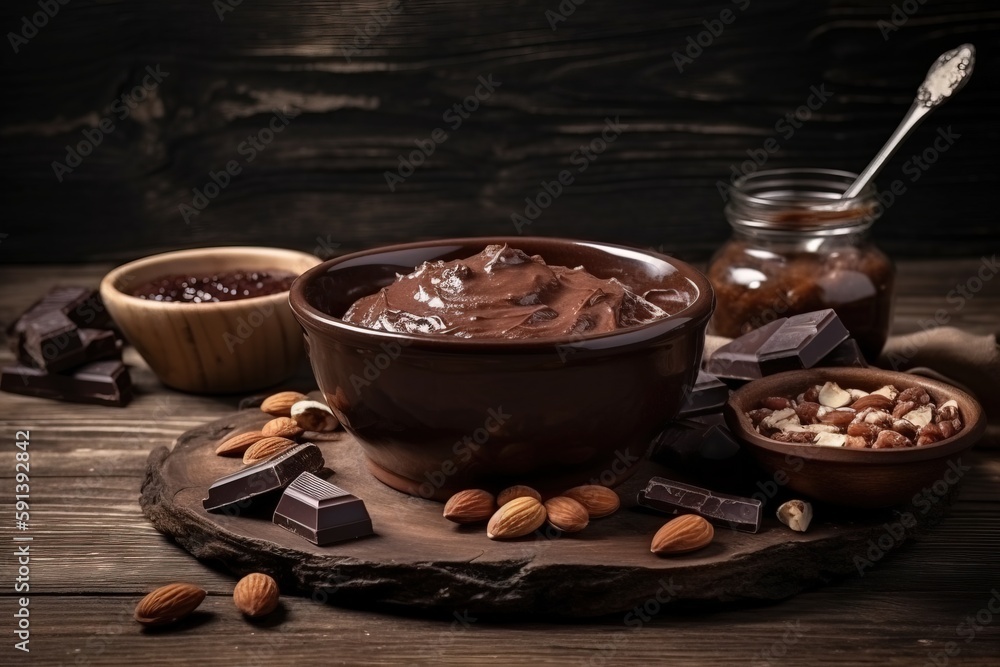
(891, 440)
(796, 514)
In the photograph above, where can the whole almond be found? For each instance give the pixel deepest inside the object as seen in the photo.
(599, 500)
(519, 517)
(877, 401)
(280, 404)
(168, 604)
(265, 448)
(566, 514)
(236, 445)
(256, 595)
(470, 506)
(314, 416)
(517, 491)
(686, 533)
(282, 427)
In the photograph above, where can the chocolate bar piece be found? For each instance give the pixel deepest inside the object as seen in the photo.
(50, 338)
(705, 437)
(671, 497)
(789, 343)
(321, 512)
(801, 342)
(708, 394)
(737, 359)
(847, 353)
(258, 479)
(82, 305)
(97, 344)
(100, 382)
(706, 451)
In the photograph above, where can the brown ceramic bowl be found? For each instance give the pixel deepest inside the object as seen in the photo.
(436, 414)
(855, 477)
(223, 347)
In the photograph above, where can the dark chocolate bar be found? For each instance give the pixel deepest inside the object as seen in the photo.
(737, 359)
(705, 437)
(258, 479)
(82, 305)
(98, 344)
(847, 353)
(789, 343)
(708, 394)
(100, 382)
(321, 512)
(801, 342)
(50, 338)
(671, 497)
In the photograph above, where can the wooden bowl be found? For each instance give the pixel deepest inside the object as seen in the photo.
(229, 346)
(856, 477)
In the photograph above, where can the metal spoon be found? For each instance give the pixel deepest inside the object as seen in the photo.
(946, 77)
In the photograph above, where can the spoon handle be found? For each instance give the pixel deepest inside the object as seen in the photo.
(947, 76)
(910, 121)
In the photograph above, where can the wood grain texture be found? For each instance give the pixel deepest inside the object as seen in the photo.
(320, 185)
(418, 560)
(98, 556)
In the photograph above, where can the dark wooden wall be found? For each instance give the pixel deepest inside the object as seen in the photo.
(321, 182)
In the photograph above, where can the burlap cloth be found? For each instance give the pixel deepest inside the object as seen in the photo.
(957, 357)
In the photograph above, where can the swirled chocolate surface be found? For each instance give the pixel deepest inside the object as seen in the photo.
(504, 293)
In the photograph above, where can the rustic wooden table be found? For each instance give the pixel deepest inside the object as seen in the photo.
(93, 555)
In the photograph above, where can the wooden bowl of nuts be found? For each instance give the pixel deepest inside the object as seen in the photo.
(860, 437)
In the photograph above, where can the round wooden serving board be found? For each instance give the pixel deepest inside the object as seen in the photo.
(417, 559)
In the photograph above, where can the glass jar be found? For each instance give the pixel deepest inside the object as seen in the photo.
(797, 247)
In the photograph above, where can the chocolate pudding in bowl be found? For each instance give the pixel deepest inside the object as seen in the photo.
(549, 377)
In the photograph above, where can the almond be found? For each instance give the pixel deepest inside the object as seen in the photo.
(280, 404)
(237, 444)
(265, 448)
(566, 514)
(517, 491)
(519, 517)
(470, 506)
(598, 500)
(314, 416)
(877, 401)
(168, 604)
(684, 534)
(282, 427)
(256, 595)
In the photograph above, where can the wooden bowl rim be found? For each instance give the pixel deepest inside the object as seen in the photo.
(851, 377)
(110, 284)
